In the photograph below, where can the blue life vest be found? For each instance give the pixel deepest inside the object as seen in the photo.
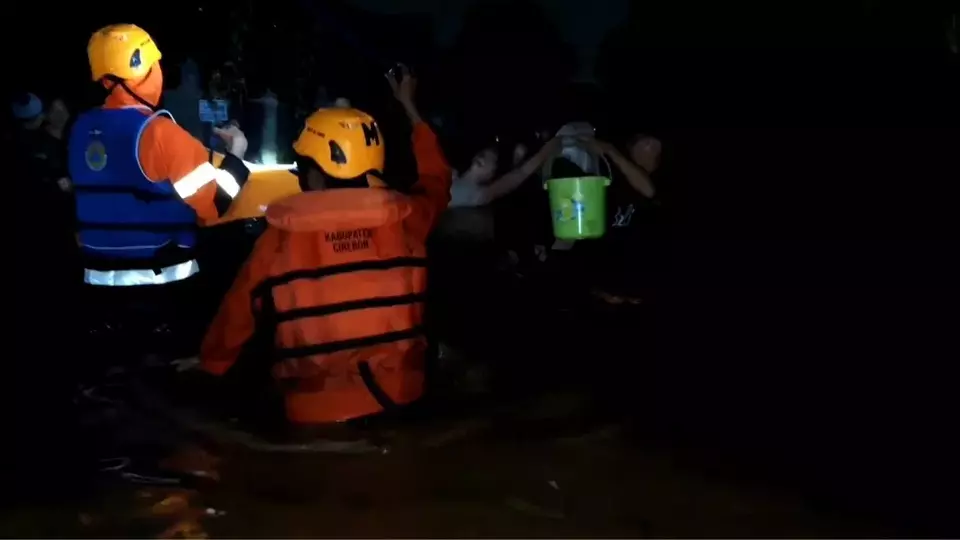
(124, 219)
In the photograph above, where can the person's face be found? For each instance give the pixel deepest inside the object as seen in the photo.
(151, 89)
(484, 165)
(58, 115)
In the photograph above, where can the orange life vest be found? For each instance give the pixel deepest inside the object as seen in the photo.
(343, 298)
(338, 280)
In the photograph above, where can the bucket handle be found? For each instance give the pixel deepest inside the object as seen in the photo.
(606, 179)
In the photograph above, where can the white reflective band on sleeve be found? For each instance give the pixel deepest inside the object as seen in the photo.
(191, 183)
(260, 167)
(126, 278)
(227, 183)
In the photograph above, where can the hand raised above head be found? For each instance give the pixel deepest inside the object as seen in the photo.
(403, 83)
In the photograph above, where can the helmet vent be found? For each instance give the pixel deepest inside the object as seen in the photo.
(336, 154)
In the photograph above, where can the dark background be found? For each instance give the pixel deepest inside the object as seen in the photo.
(808, 332)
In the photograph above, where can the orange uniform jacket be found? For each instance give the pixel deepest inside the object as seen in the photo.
(338, 280)
(168, 152)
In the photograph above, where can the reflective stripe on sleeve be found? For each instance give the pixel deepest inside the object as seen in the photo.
(227, 183)
(193, 181)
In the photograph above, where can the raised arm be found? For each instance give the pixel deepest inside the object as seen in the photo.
(509, 182)
(638, 178)
(431, 193)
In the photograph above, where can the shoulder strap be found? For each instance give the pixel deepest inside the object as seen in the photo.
(162, 112)
(136, 143)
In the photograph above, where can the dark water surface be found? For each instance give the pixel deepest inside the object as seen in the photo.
(486, 480)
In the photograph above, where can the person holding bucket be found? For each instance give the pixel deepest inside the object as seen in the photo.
(581, 208)
(643, 161)
(582, 173)
(624, 263)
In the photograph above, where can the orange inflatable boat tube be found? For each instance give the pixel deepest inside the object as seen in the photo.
(266, 184)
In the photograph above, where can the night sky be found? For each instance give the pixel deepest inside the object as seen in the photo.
(581, 23)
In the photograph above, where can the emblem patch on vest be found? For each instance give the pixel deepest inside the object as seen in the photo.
(96, 156)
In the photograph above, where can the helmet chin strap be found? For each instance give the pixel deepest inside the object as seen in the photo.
(122, 84)
(305, 164)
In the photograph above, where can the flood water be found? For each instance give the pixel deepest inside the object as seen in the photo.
(543, 459)
(532, 470)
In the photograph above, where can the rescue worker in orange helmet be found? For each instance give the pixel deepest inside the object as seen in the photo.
(142, 183)
(337, 280)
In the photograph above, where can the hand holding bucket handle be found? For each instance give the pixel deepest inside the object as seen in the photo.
(607, 177)
(585, 142)
(600, 148)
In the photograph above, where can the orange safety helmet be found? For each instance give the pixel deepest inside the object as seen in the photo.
(345, 143)
(125, 51)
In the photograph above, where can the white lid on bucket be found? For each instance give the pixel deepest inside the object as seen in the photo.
(573, 150)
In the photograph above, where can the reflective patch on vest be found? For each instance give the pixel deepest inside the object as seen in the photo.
(96, 156)
(348, 241)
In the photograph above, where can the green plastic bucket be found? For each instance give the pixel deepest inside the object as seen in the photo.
(578, 206)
